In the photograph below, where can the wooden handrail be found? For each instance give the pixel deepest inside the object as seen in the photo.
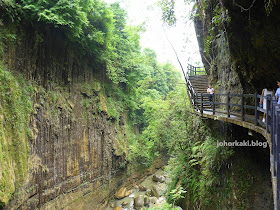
(255, 97)
(192, 71)
(271, 124)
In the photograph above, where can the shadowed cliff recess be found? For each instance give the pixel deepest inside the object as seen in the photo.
(238, 43)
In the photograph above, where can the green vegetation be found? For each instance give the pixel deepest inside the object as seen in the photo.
(196, 161)
(164, 206)
(146, 100)
(96, 28)
(15, 109)
(150, 95)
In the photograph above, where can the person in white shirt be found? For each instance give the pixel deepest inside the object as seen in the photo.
(266, 92)
(210, 90)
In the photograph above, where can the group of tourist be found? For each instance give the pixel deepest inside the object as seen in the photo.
(265, 92)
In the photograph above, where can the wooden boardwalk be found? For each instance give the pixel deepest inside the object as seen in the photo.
(235, 119)
(234, 108)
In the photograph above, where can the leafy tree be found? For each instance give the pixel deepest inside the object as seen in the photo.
(59, 13)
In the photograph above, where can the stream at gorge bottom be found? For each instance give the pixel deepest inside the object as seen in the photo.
(150, 193)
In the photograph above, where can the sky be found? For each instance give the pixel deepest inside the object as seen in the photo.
(182, 36)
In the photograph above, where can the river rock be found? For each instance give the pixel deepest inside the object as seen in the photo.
(147, 200)
(153, 200)
(124, 203)
(142, 188)
(154, 191)
(118, 208)
(139, 201)
(129, 192)
(112, 205)
(121, 193)
(158, 178)
(149, 192)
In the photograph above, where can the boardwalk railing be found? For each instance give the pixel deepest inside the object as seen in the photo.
(247, 108)
(194, 71)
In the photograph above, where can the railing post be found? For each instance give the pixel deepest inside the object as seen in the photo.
(201, 108)
(228, 106)
(242, 107)
(194, 71)
(194, 101)
(213, 103)
(256, 109)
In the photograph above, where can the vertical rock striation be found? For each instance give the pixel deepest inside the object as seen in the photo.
(77, 155)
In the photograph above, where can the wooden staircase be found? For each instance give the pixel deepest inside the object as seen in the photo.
(200, 85)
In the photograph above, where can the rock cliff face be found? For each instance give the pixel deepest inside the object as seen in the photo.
(243, 39)
(77, 155)
(238, 43)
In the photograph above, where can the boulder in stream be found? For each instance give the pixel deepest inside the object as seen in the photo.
(139, 201)
(154, 191)
(118, 208)
(147, 200)
(128, 193)
(149, 192)
(124, 203)
(158, 178)
(142, 188)
(153, 200)
(121, 193)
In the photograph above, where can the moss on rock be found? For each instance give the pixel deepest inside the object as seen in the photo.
(15, 109)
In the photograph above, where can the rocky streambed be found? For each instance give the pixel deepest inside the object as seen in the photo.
(149, 193)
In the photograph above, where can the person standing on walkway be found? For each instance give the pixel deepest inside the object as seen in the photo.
(266, 92)
(277, 94)
(210, 90)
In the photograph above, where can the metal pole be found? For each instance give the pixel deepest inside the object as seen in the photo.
(256, 109)
(242, 107)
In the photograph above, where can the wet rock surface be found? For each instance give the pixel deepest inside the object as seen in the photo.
(158, 178)
(142, 188)
(155, 191)
(147, 194)
(139, 201)
(121, 193)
